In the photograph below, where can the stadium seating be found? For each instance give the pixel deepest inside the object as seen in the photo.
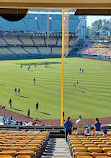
(11, 40)
(41, 24)
(44, 50)
(51, 41)
(85, 146)
(22, 144)
(26, 40)
(97, 48)
(37, 34)
(32, 50)
(18, 50)
(38, 40)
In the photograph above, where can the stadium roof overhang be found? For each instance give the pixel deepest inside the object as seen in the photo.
(77, 4)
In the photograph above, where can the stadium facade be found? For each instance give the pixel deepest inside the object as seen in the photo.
(40, 34)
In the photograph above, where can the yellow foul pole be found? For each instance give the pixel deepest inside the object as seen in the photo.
(63, 15)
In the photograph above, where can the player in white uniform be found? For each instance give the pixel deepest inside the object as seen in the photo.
(80, 124)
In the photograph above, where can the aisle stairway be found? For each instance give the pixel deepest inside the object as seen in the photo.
(57, 148)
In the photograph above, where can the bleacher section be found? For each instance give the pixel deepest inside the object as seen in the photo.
(10, 40)
(37, 34)
(57, 51)
(16, 144)
(18, 50)
(90, 146)
(26, 40)
(45, 50)
(39, 40)
(29, 23)
(32, 50)
(97, 48)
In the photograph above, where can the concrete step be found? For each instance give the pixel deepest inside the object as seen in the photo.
(57, 148)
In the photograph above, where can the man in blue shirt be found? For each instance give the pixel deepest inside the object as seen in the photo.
(68, 126)
(9, 119)
(97, 128)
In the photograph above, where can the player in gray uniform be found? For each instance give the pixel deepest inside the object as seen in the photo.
(80, 124)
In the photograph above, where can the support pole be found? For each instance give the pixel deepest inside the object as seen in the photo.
(62, 68)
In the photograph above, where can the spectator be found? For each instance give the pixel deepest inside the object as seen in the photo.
(20, 123)
(17, 123)
(24, 124)
(9, 120)
(28, 112)
(43, 124)
(11, 117)
(104, 131)
(27, 123)
(3, 107)
(80, 124)
(4, 119)
(97, 128)
(68, 126)
(86, 132)
(34, 122)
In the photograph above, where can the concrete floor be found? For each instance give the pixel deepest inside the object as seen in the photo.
(57, 148)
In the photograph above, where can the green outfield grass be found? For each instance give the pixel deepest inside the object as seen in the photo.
(92, 98)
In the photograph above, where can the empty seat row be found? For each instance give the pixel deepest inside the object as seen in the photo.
(90, 146)
(21, 144)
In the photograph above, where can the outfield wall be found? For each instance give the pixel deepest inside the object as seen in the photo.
(14, 56)
(91, 56)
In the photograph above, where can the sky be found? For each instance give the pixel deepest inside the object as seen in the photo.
(91, 19)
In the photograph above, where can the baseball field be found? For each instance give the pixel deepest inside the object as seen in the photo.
(92, 97)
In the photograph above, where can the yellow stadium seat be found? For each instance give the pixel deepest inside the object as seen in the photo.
(77, 145)
(23, 156)
(94, 155)
(95, 149)
(106, 149)
(103, 145)
(81, 154)
(84, 157)
(6, 145)
(87, 143)
(96, 141)
(79, 149)
(34, 145)
(9, 152)
(102, 156)
(30, 148)
(26, 152)
(16, 148)
(90, 145)
(5, 156)
(99, 143)
(19, 145)
(2, 148)
(108, 143)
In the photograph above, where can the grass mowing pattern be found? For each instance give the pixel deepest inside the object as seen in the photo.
(92, 98)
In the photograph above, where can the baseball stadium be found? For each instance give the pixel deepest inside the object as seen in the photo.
(55, 78)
